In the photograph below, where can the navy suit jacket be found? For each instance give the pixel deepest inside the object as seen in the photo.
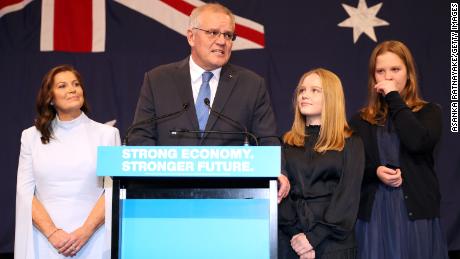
(241, 95)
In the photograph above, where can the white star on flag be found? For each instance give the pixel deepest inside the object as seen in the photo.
(363, 19)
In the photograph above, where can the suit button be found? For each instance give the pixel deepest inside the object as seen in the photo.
(411, 214)
(406, 197)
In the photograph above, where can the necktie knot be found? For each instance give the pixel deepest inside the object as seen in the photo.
(206, 76)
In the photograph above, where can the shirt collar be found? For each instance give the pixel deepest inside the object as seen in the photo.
(196, 71)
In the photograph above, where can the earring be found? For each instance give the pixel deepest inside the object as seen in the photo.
(52, 103)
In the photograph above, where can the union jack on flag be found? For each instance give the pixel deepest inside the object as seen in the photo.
(63, 21)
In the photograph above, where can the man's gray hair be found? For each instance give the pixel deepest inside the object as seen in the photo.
(213, 7)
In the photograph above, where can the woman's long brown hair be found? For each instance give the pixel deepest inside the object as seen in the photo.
(45, 110)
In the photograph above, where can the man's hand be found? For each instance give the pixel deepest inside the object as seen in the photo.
(285, 186)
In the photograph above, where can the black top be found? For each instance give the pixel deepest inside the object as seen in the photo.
(418, 132)
(324, 198)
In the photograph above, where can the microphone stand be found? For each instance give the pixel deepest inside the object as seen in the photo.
(246, 132)
(176, 132)
(150, 120)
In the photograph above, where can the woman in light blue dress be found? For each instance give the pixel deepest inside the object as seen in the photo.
(62, 207)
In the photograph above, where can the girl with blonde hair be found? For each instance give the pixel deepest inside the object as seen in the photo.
(325, 164)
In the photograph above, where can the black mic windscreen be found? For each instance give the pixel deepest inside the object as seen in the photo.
(206, 101)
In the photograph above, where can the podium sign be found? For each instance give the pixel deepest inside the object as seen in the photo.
(234, 161)
(193, 202)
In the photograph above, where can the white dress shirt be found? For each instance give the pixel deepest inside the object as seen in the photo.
(195, 74)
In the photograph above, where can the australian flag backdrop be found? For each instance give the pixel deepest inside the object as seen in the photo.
(114, 42)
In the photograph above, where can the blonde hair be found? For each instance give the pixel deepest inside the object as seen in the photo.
(334, 126)
(213, 7)
(376, 110)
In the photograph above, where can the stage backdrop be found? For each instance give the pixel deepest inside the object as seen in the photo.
(113, 43)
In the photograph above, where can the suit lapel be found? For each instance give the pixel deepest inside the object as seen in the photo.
(227, 81)
(184, 90)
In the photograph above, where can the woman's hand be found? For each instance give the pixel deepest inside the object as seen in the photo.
(80, 236)
(308, 255)
(385, 86)
(77, 240)
(302, 246)
(390, 177)
(59, 239)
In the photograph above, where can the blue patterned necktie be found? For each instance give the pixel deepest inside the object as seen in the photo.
(202, 111)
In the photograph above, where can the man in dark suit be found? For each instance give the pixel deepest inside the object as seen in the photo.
(183, 88)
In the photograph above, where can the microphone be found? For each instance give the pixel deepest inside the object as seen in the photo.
(150, 120)
(235, 122)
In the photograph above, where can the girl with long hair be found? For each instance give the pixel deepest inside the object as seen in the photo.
(399, 208)
(325, 164)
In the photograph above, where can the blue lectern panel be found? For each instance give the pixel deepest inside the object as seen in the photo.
(195, 228)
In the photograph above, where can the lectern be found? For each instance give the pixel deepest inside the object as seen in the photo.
(193, 202)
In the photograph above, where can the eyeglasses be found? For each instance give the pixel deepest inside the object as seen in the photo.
(213, 34)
